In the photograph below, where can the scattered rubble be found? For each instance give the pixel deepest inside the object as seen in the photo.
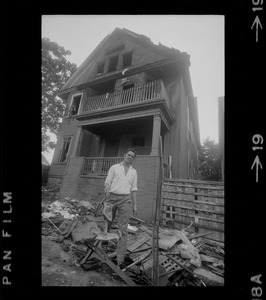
(185, 259)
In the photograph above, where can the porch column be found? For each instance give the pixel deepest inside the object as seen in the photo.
(76, 141)
(156, 131)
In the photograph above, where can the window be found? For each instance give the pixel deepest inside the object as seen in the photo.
(127, 59)
(138, 141)
(113, 63)
(65, 149)
(127, 86)
(100, 68)
(74, 108)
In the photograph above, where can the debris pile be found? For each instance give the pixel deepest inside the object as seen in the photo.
(50, 192)
(184, 259)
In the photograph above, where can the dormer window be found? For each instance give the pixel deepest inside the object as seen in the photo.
(100, 68)
(113, 63)
(127, 59)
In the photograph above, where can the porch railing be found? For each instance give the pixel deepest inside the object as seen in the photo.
(98, 165)
(152, 90)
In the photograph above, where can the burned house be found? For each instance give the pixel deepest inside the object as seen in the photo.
(129, 92)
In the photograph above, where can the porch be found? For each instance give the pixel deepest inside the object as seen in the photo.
(98, 165)
(145, 93)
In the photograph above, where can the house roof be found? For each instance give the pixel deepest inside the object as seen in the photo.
(80, 76)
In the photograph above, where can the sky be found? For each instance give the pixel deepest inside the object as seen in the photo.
(201, 36)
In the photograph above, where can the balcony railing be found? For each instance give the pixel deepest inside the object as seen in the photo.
(150, 91)
(98, 165)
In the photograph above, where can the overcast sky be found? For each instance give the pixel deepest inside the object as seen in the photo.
(201, 36)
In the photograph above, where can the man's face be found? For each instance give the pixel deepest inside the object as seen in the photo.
(129, 157)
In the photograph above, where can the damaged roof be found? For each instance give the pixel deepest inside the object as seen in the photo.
(83, 74)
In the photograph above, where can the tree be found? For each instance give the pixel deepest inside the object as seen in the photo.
(209, 161)
(56, 70)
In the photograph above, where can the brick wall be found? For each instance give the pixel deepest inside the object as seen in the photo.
(147, 168)
(57, 170)
(88, 188)
(69, 182)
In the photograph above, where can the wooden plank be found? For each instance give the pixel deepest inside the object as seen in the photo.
(213, 243)
(194, 181)
(209, 203)
(207, 219)
(103, 257)
(148, 263)
(189, 201)
(195, 194)
(196, 225)
(209, 275)
(185, 188)
(194, 216)
(138, 243)
(195, 236)
(193, 208)
(176, 201)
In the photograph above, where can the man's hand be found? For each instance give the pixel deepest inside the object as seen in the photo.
(135, 211)
(106, 188)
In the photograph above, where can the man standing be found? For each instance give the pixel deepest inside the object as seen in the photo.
(121, 186)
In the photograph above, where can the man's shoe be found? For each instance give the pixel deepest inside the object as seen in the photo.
(121, 266)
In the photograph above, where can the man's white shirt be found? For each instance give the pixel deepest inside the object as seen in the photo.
(120, 182)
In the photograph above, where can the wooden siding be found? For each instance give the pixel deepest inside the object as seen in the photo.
(200, 202)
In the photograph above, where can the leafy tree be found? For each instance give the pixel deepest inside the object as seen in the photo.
(56, 70)
(209, 161)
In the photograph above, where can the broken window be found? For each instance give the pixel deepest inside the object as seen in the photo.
(75, 104)
(138, 141)
(65, 149)
(127, 59)
(113, 63)
(127, 86)
(100, 68)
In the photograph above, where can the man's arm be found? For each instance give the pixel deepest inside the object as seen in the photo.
(134, 189)
(134, 202)
(108, 181)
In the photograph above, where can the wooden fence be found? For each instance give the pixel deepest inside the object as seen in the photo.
(200, 202)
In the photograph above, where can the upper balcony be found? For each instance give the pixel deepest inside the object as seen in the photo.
(141, 95)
